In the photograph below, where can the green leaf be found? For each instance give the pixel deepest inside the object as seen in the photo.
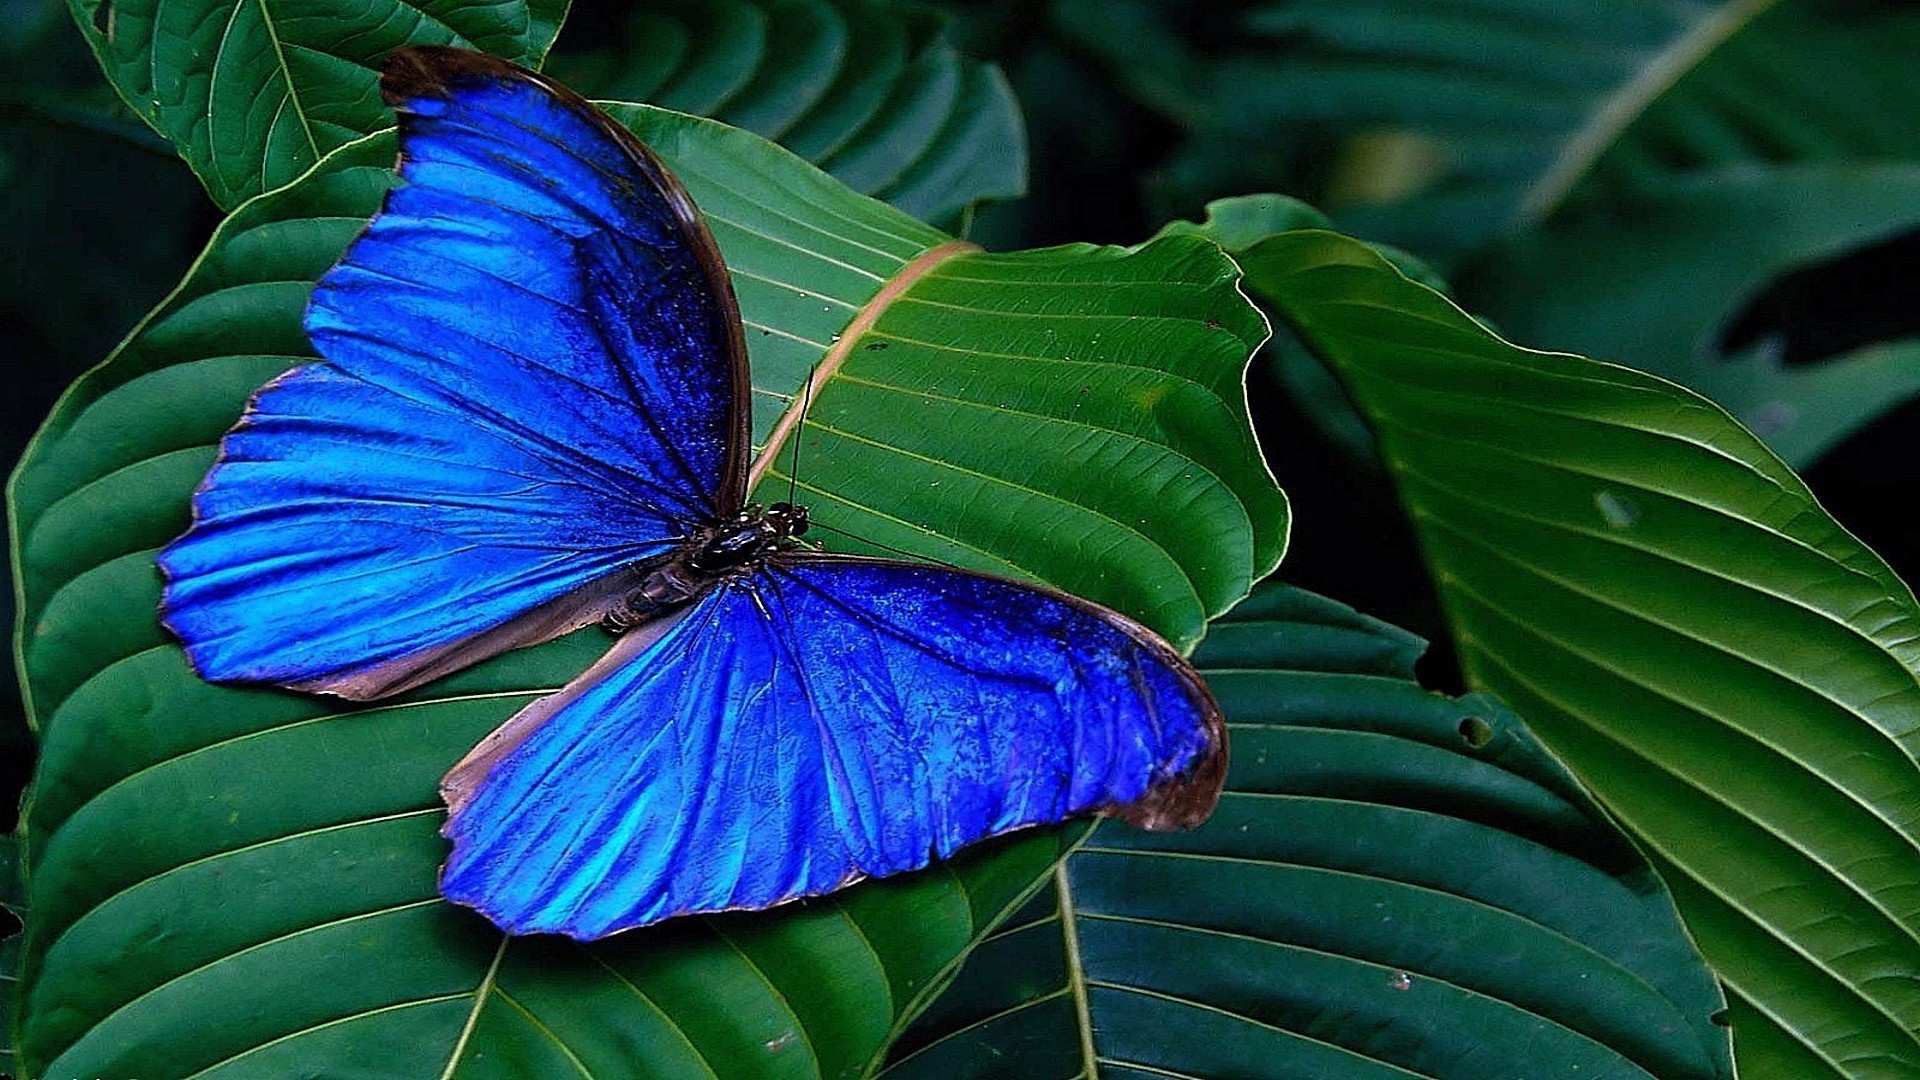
(1396, 884)
(1731, 671)
(873, 92)
(1245, 220)
(254, 92)
(1440, 123)
(233, 882)
(1654, 285)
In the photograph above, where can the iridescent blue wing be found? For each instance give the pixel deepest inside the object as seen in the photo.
(821, 720)
(535, 379)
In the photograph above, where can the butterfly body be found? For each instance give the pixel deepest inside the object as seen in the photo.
(733, 547)
(531, 419)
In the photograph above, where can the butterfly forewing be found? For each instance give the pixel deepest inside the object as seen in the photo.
(535, 382)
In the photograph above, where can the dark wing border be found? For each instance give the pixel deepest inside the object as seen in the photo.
(418, 71)
(1184, 802)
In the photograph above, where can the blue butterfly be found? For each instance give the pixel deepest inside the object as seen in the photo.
(533, 417)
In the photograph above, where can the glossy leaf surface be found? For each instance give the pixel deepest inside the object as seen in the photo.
(286, 849)
(1731, 671)
(254, 92)
(1396, 884)
(872, 92)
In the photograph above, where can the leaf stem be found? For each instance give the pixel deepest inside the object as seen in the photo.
(1076, 974)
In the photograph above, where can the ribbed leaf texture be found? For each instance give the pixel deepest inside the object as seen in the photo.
(1663, 599)
(871, 91)
(240, 883)
(1396, 884)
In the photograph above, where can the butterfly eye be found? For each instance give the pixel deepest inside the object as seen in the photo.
(795, 517)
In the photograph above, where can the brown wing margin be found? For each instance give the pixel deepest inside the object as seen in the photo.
(1183, 802)
(418, 71)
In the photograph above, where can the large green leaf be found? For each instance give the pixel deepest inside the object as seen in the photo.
(1655, 283)
(1731, 671)
(1396, 884)
(1439, 123)
(254, 92)
(870, 90)
(240, 883)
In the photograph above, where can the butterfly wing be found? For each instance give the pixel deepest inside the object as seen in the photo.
(536, 379)
(821, 720)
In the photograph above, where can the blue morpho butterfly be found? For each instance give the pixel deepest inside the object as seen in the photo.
(533, 417)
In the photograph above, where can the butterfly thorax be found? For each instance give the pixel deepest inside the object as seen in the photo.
(747, 538)
(712, 553)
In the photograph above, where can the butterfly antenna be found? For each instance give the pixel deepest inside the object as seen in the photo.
(914, 555)
(799, 432)
(793, 483)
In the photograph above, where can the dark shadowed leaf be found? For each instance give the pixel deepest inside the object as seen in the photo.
(871, 91)
(254, 92)
(1440, 123)
(1654, 283)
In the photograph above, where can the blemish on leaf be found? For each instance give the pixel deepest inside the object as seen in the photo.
(1618, 511)
(1772, 418)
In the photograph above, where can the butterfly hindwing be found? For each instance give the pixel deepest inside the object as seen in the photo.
(535, 379)
(820, 720)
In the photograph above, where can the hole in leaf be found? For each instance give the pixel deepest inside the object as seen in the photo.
(103, 18)
(1476, 732)
(1864, 480)
(1833, 307)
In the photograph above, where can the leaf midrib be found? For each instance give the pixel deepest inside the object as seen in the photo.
(1076, 970)
(479, 1004)
(1620, 109)
(855, 330)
